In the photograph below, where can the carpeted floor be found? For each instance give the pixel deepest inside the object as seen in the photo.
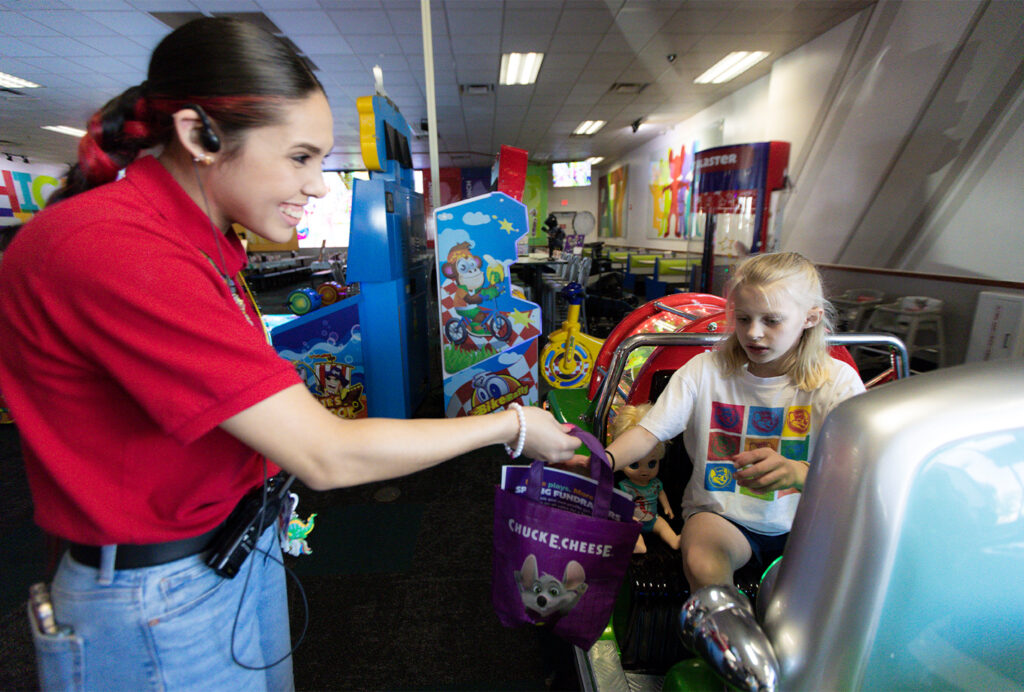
(398, 589)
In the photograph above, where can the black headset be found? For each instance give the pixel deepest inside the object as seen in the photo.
(207, 137)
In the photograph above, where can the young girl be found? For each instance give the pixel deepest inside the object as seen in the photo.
(751, 411)
(148, 400)
(643, 484)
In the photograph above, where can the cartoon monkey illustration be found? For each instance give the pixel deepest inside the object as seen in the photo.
(465, 269)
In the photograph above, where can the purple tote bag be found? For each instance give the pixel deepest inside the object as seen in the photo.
(557, 568)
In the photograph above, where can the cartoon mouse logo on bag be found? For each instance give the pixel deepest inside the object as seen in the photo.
(546, 597)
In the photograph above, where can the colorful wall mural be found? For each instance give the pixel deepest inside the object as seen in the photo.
(671, 177)
(24, 189)
(611, 203)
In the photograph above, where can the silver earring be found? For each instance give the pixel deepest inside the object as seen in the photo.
(205, 159)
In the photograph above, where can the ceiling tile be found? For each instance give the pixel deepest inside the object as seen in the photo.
(304, 22)
(478, 44)
(131, 24)
(578, 21)
(534, 19)
(373, 44)
(321, 44)
(18, 24)
(361, 21)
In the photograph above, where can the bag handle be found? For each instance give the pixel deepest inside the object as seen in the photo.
(600, 470)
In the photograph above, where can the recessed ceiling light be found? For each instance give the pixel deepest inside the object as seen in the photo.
(65, 130)
(588, 127)
(731, 66)
(594, 160)
(11, 82)
(520, 68)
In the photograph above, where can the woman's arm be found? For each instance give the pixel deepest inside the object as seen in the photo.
(325, 451)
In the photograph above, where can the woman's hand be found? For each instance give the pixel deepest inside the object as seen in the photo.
(546, 438)
(764, 470)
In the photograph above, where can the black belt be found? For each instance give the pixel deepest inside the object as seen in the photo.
(131, 556)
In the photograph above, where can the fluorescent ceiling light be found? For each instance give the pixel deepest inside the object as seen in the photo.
(731, 66)
(520, 68)
(588, 127)
(65, 130)
(11, 82)
(594, 160)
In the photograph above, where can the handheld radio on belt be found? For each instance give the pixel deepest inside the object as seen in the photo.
(242, 529)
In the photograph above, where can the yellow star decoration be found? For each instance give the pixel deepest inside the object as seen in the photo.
(521, 318)
(506, 226)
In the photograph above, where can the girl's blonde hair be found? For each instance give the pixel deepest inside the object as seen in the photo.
(629, 416)
(794, 275)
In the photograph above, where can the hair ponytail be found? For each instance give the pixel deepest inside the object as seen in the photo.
(114, 136)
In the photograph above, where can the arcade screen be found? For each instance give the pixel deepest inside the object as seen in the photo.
(329, 218)
(570, 174)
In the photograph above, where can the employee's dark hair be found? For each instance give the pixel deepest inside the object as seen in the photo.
(237, 73)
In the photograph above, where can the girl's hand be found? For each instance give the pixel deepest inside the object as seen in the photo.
(765, 470)
(546, 438)
(578, 463)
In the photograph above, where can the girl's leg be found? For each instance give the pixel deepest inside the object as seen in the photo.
(712, 550)
(662, 528)
(640, 546)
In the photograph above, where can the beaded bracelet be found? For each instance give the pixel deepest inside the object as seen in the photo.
(521, 440)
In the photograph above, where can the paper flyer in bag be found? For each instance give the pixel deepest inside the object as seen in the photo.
(568, 491)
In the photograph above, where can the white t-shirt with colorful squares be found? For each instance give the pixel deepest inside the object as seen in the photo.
(723, 416)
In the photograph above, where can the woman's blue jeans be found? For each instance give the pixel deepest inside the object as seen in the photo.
(169, 627)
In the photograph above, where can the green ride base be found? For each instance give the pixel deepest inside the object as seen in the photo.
(573, 406)
(692, 675)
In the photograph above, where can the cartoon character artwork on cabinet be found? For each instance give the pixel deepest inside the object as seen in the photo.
(488, 335)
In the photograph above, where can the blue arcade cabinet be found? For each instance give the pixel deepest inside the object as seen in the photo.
(389, 258)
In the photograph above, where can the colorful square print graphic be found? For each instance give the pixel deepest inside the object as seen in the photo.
(722, 446)
(759, 442)
(767, 497)
(765, 421)
(795, 449)
(798, 421)
(727, 417)
(718, 478)
(787, 491)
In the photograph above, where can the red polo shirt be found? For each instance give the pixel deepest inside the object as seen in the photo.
(121, 351)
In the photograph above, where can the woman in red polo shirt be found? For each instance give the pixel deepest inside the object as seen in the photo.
(147, 397)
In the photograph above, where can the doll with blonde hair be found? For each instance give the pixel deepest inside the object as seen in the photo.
(750, 412)
(643, 484)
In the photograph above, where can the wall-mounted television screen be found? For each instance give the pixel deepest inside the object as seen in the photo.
(570, 174)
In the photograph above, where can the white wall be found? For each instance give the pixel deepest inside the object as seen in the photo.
(906, 131)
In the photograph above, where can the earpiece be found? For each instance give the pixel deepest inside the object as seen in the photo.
(207, 137)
